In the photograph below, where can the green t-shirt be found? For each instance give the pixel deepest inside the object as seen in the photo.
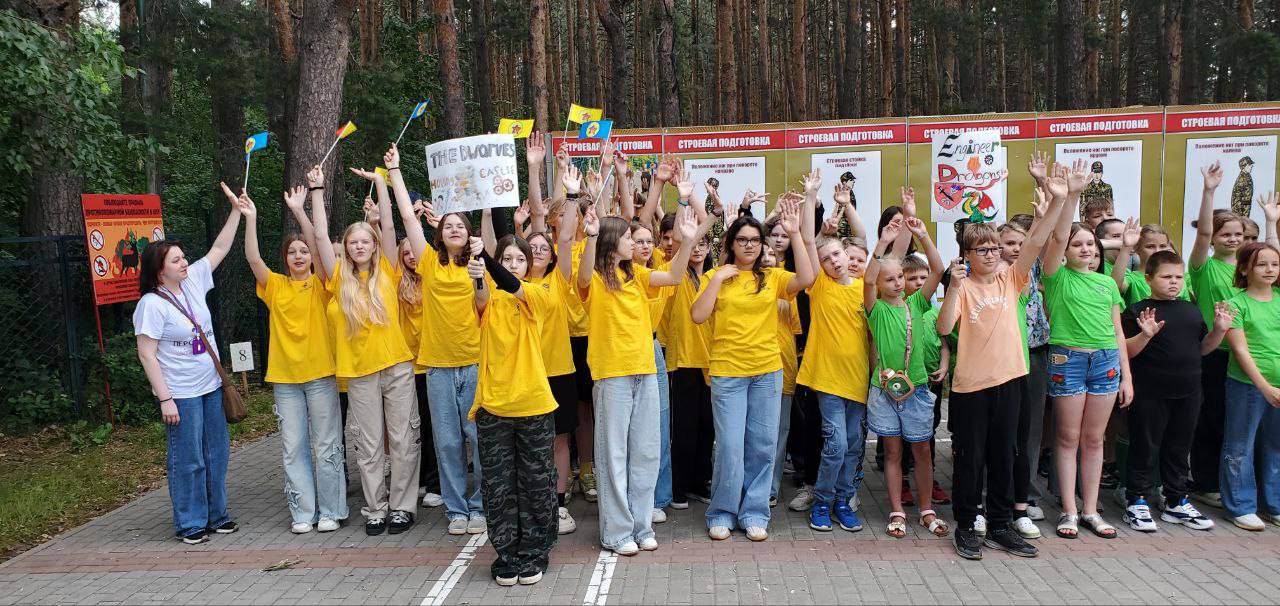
(1079, 306)
(1261, 323)
(1138, 289)
(888, 325)
(1023, 299)
(1211, 283)
(932, 342)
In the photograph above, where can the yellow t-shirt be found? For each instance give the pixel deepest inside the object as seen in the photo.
(373, 347)
(450, 328)
(836, 357)
(300, 348)
(577, 309)
(411, 328)
(744, 340)
(687, 343)
(557, 355)
(621, 342)
(333, 317)
(788, 328)
(513, 380)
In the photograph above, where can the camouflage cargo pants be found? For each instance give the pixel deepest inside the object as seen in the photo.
(519, 488)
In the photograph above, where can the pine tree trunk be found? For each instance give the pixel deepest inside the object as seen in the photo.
(728, 72)
(847, 96)
(446, 37)
(668, 83)
(799, 81)
(1191, 77)
(1133, 66)
(1002, 94)
(1240, 71)
(538, 68)
(765, 83)
(749, 101)
(480, 62)
(587, 80)
(1092, 52)
(555, 75)
(620, 70)
(1114, 29)
(1171, 65)
(902, 93)
(1071, 53)
(698, 97)
(886, 59)
(571, 32)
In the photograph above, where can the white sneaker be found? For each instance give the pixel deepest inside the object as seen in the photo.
(1026, 528)
(300, 528)
(718, 533)
(649, 544)
(506, 580)
(432, 499)
(755, 533)
(567, 525)
(1249, 522)
(531, 578)
(1187, 515)
(327, 525)
(1138, 516)
(627, 549)
(458, 526)
(980, 525)
(659, 516)
(1035, 513)
(855, 502)
(803, 499)
(477, 524)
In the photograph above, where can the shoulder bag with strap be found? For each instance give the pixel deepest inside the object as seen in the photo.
(898, 385)
(232, 400)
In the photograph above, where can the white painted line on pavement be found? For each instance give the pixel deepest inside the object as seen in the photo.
(454, 572)
(601, 577)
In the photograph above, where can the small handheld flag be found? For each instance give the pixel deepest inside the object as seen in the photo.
(417, 112)
(252, 144)
(596, 129)
(342, 133)
(519, 129)
(579, 114)
(385, 175)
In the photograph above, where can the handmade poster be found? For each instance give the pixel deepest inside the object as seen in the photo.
(1115, 173)
(861, 170)
(732, 177)
(967, 176)
(117, 229)
(1248, 170)
(473, 173)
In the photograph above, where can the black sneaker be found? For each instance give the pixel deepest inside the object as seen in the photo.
(196, 538)
(1006, 539)
(375, 527)
(968, 545)
(530, 575)
(227, 528)
(400, 521)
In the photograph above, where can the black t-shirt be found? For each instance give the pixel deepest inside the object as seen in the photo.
(1169, 366)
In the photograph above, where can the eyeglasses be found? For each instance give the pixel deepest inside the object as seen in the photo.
(542, 248)
(987, 251)
(746, 242)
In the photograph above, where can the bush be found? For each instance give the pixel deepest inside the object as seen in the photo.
(37, 395)
(131, 396)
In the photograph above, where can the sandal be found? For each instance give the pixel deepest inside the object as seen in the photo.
(937, 525)
(1099, 526)
(1067, 526)
(897, 527)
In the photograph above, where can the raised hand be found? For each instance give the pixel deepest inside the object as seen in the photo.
(1132, 233)
(666, 170)
(812, 181)
(535, 149)
(1038, 166)
(590, 222)
(1040, 205)
(595, 183)
(831, 225)
(368, 175)
(232, 198)
(1224, 315)
(957, 269)
(606, 156)
(917, 228)
(713, 191)
(315, 177)
(522, 213)
(843, 195)
(908, 201)
(295, 198)
(1147, 322)
(572, 179)
(1212, 175)
(685, 187)
(562, 159)
(791, 216)
(391, 159)
(477, 246)
(475, 269)
(1269, 208)
(371, 213)
(1057, 184)
(247, 207)
(1078, 177)
(892, 229)
(686, 224)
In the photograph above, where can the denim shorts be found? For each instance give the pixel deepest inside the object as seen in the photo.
(911, 418)
(1072, 372)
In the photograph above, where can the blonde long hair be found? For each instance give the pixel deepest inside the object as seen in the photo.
(359, 299)
(409, 290)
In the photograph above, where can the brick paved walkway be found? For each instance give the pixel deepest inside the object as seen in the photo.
(129, 556)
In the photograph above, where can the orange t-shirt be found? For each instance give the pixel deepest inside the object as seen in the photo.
(988, 329)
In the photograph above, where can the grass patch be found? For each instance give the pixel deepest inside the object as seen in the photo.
(54, 480)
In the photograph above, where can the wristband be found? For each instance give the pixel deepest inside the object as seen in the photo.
(170, 398)
(391, 168)
(318, 187)
(682, 202)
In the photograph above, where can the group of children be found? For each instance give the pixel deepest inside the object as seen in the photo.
(674, 362)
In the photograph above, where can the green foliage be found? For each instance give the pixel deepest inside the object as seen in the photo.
(83, 435)
(131, 397)
(40, 400)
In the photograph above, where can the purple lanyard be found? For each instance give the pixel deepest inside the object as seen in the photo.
(197, 344)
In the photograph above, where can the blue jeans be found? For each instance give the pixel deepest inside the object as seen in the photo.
(199, 446)
(1247, 416)
(311, 425)
(844, 433)
(626, 457)
(780, 455)
(745, 411)
(450, 393)
(662, 492)
(1072, 372)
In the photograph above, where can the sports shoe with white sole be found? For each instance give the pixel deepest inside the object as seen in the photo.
(1249, 522)
(1026, 528)
(1138, 516)
(327, 525)
(980, 525)
(566, 522)
(627, 549)
(300, 528)
(803, 500)
(458, 526)
(1187, 515)
(1035, 512)
(718, 533)
(659, 516)
(477, 524)
(432, 499)
(649, 544)
(756, 533)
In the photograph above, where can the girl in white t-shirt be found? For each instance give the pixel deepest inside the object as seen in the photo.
(168, 321)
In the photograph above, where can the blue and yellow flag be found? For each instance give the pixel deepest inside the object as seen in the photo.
(519, 129)
(419, 109)
(255, 143)
(579, 114)
(596, 129)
